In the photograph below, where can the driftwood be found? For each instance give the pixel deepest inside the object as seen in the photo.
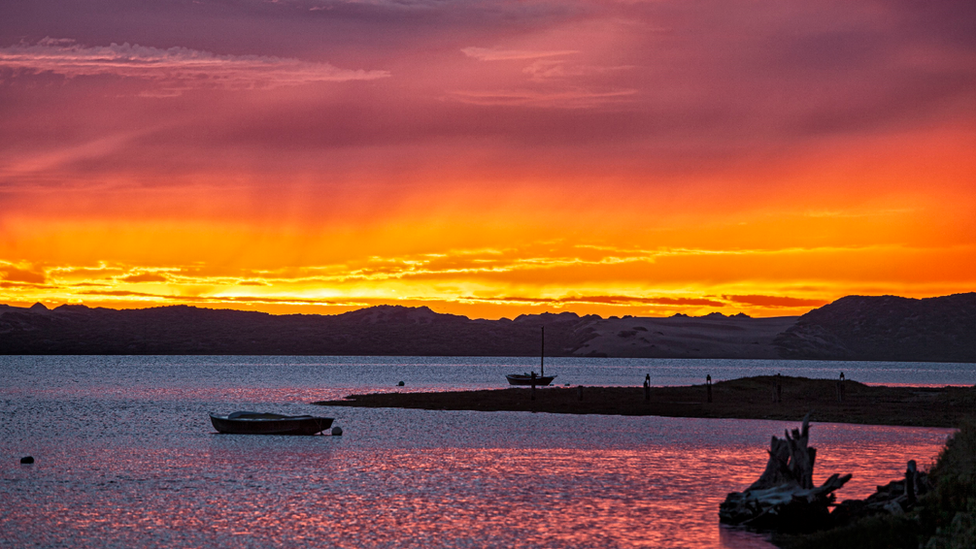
(784, 498)
(894, 498)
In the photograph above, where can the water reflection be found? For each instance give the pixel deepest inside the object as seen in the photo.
(225, 490)
(134, 462)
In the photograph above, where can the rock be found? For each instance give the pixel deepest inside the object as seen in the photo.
(893, 508)
(27, 459)
(337, 431)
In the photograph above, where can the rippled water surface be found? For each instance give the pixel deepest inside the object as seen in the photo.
(125, 456)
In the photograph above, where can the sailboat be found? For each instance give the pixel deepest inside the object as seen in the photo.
(532, 378)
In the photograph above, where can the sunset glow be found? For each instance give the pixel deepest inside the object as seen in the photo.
(486, 158)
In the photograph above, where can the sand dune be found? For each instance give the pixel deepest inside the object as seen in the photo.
(677, 337)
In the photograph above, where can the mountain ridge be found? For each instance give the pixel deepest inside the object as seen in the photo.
(941, 329)
(938, 329)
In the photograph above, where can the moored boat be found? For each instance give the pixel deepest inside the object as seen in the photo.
(526, 379)
(259, 423)
(532, 378)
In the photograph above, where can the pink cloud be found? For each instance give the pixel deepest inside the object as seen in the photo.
(572, 99)
(494, 54)
(177, 67)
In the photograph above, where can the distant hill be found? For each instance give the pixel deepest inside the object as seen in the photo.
(852, 328)
(939, 329)
(382, 330)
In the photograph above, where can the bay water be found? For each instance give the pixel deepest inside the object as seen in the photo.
(125, 455)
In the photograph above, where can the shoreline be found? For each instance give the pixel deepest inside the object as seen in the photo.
(743, 398)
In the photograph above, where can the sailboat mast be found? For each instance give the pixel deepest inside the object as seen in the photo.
(542, 354)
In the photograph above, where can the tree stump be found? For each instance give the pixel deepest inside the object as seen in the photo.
(783, 498)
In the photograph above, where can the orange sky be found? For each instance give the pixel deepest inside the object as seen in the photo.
(487, 159)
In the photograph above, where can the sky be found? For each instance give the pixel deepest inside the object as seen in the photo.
(486, 157)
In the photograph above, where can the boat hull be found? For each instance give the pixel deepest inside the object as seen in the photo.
(269, 424)
(523, 379)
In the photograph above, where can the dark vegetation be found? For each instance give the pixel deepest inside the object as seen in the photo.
(945, 517)
(852, 328)
(746, 398)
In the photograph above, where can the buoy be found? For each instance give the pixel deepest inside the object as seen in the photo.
(28, 459)
(337, 431)
(400, 384)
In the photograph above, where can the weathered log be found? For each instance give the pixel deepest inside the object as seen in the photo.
(784, 499)
(785, 508)
(896, 497)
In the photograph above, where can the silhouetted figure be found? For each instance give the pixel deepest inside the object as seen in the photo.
(708, 386)
(647, 387)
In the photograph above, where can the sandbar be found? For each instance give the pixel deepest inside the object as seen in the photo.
(827, 400)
